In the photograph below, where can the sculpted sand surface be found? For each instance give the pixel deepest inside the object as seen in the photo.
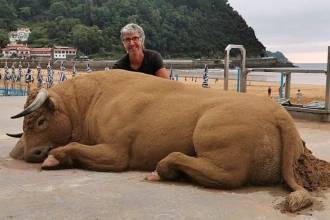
(140, 195)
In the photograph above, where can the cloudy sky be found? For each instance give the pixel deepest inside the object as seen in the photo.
(298, 28)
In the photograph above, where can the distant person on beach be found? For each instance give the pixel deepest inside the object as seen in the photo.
(299, 96)
(138, 58)
(269, 91)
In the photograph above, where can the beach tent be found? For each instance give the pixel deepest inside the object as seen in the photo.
(20, 71)
(28, 75)
(62, 73)
(62, 67)
(205, 83)
(62, 76)
(6, 75)
(39, 75)
(171, 73)
(50, 76)
(13, 73)
(74, 70)
(88, 69)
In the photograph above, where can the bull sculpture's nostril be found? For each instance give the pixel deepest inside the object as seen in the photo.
(37, 155)
(37, 152)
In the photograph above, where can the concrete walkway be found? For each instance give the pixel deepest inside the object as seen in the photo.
(26, 192)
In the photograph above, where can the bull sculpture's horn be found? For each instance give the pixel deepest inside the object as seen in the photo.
(37, 102)
(15, 135)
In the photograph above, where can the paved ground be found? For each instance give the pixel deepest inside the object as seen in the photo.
(28, 193)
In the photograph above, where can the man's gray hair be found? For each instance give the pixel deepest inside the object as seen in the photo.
(131, 27)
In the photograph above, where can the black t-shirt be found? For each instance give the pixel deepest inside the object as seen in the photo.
(152, 62)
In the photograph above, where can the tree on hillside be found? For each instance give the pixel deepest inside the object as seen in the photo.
(176, 28)
(38, 37)
(59, 30)
(3, 38)
(34, 10)
(58, 9)
(7, 15)
(87, 39)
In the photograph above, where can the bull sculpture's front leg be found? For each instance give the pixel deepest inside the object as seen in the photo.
(101, 157)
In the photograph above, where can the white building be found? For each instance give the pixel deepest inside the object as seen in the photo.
(22, 35)
(23, 51)
(61, 52)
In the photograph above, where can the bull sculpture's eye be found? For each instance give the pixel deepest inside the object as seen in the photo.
(42, 122)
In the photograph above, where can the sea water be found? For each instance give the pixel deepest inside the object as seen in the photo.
(296, 78)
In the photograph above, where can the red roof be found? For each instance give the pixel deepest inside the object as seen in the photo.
(41, 49)
(15, 45)
(23, 48)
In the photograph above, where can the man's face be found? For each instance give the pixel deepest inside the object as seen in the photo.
(132, 42)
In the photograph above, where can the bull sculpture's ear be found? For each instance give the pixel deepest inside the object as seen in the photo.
(51, 104)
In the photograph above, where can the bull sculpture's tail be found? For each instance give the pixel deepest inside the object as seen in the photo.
(311, 172)
(292, 149)
(300, 169)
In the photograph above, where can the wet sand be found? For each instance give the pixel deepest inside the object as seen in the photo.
(310, 92)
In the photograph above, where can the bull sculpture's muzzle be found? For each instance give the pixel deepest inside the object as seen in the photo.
(36, 154)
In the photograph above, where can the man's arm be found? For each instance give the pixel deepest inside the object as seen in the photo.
(158, 65)
(162, 72)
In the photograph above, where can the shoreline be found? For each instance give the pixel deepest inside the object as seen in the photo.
(310, 92)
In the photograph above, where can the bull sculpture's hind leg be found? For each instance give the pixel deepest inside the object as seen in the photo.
(201, 170)
(101, 157)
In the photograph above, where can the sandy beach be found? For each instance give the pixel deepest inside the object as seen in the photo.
(310, 92)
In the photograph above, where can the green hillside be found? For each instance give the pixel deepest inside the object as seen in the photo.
(176, 28)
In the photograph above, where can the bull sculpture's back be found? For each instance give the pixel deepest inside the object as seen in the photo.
(121, 120)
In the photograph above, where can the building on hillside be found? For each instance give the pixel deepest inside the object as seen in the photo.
(16, 50)
(25, 52)
(21, 35)
(61, 52)
(43, 52)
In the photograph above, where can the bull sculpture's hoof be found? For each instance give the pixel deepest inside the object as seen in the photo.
(153, 176)
(50, 162)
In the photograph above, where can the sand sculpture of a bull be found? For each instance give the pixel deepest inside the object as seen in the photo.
(120, 120)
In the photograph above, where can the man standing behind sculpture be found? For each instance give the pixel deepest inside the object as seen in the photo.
(138, 58)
